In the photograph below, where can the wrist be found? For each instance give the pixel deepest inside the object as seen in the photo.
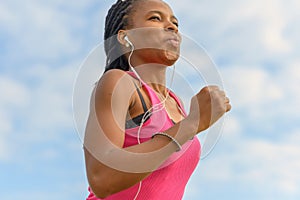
(183, 131)
(191, 126)
(186, 131)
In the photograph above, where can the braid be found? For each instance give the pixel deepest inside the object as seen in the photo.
(116, 19)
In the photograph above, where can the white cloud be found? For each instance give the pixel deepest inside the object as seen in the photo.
(251, 89)
(5, 14)
(289, 79)
(241, 31)
(14, 97)
(43, 30)
(254, 163)
(13, 93)
(248, 158)
(35, 110)
(259, 92)
(232, 126)
(51, 105)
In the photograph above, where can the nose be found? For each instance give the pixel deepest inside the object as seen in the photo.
(170, 26)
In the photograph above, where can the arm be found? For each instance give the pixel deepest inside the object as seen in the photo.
(112, 98)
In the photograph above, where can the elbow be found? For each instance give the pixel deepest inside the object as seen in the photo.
(101, 194)
(101, 188)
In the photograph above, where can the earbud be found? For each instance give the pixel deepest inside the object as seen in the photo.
(128, 41)
(129, 44)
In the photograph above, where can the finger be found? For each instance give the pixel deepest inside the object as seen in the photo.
(228, 107)
(213, 87)
(227, 100)
(222, 93)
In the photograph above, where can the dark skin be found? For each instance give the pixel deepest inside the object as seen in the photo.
(115, 100)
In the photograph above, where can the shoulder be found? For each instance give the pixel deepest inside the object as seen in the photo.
(113, 75)
(113, 78)
(115, 83)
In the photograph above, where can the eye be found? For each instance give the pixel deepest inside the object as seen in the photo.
(155, 18)
(176, 23)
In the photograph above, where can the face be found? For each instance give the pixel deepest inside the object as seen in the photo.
(154, 31)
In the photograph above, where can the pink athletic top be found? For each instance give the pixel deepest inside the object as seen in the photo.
(169, 181)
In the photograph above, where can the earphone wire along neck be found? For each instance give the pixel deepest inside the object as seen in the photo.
(154, 108)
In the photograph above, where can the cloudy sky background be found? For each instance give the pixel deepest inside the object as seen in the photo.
(255, 45)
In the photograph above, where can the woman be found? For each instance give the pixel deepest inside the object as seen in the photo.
(153, 151)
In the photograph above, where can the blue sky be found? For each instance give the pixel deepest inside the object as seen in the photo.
(255, 45)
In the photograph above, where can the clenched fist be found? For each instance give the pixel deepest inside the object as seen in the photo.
(207, 107)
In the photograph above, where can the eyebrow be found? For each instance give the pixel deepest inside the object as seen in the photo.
(160, 13)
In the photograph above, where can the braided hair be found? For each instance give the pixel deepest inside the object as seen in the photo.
(117, 19)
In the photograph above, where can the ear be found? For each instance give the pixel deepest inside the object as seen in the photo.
(121, 37)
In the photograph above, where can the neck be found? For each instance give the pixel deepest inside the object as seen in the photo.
(154, 75)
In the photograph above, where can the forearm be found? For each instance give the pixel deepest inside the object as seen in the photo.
(132, 164)
(182, 132)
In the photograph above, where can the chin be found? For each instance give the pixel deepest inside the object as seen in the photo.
(171, 57)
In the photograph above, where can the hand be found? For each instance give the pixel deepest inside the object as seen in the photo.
(207, 107)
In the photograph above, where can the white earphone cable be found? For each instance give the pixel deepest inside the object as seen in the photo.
(155, 108)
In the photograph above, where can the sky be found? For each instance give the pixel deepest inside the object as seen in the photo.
(254, 44)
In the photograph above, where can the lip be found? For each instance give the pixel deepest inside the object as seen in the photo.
(174, 41)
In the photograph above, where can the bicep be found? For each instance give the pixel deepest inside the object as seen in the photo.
(109, 107)
(105, 127)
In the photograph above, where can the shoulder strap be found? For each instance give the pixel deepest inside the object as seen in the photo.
(141, 98)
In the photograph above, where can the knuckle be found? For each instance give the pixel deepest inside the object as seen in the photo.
(205, 89)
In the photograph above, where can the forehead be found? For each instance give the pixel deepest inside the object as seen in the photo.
(143, 7)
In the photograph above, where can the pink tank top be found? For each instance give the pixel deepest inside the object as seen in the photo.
(170, 179)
